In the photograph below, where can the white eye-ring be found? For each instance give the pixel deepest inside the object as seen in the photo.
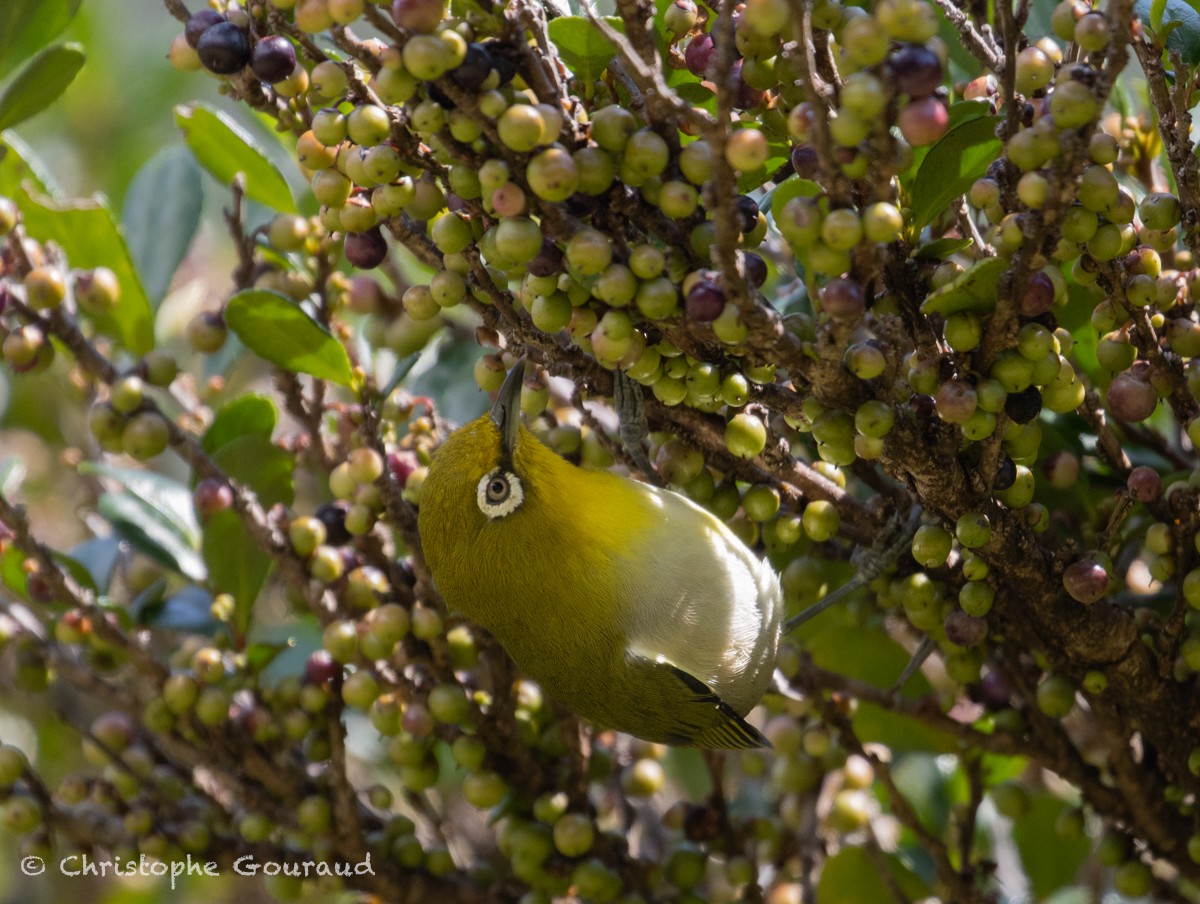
(499, 494)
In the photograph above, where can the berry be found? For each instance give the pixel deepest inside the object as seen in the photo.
(1086, 581)
(198, 23)
(843, 299)
(915, 70)
(273, 59)
(705, 301)
(366, 250)
(223, 48)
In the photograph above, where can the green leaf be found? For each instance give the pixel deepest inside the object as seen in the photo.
(962, 112)
(236, 565)
(256, 462)
(1185, 37)
(791, 187)
(27, 25)
(19, 165)
(958, 158)
(942, 248)
(972, 290)
(143, 527)
(161, 213)
(275, 328)
(98, 557)
(11, 572)
(188, 610)
(88, 233)
(581, 45)
(933, 786)
(40, 83)
(169, 499)
(244, 416)
(225, 150)
(1048, 866)
(852, 877)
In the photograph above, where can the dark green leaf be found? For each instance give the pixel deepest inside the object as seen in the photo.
(225, 150)
(275, 328)
(11, 571)
(98, 557)
(141, 526)
(18, 165)
(440, 373)
(236, 565)
(791, 187)
(162, 211)
(1184, 39)
(246, 415)
(962, 112)
(39, 83)
(942, 248)
(958, 158)
(933, 786)
(260, 655)
(27, 25)
(88, 233)
(581, 45)
(1048, 866)
(169, 499)
(256, 462)
(188, 610)
(852, 877)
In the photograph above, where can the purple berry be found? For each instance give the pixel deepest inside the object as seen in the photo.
(747, 213)
(805, 161)
(1086, 581)
(548, 260)
(1023, 406)
(755, 268)
(223, 48)
(473, 70)
(843, 299)
(366, 250)
(705, 301)
(1039, 295)
(699, 52)
(916, 70)
(198, 23)
(1130, 398)
(1144, 484)
(273, 59)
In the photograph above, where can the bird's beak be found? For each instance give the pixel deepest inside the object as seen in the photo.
(506, 412)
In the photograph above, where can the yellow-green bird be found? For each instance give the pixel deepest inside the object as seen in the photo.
(630, 604)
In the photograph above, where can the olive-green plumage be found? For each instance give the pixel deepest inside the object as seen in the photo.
(628, 603)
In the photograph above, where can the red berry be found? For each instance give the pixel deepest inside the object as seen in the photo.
(1144, 484)
(923, 121)
(699, 52)
(843, 299)
(1039, 295)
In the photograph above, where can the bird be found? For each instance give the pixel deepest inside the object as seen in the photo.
(628, 603)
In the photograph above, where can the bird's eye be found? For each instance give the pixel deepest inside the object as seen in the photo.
(500, 493)
(497, 490)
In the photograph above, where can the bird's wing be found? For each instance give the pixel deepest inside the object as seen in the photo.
(699, 717)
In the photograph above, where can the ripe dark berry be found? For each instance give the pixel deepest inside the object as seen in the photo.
(1006, 474)
(1144, 484)
(547, 262)
(964, 630)
(843, 299)
(198, 23)
(747, 213)
(474, 68)
(438, 96)
(320, 668)
(1039, 295)
(210, 497)
(1023, 406)
(1086, 580)
(503, 59)
(756, 269)
(699, 52)
(805, 161)
(333, 516)
(273, 59)
(705, 301)
(223, 48)
(1130, 398)
(418, 15)
(366, 250)
(916, 70)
